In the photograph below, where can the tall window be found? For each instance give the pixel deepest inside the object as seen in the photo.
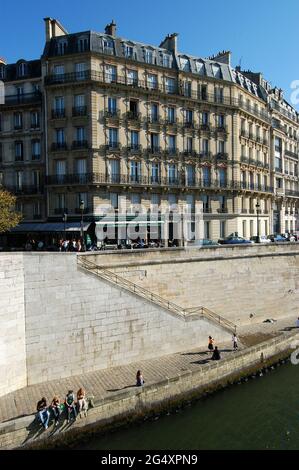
(171, 115)
(134, 140)
(205, 146)
(19, 155)
(80, 71)
(36, 179)
(129, 51)
(60, 201)
(190, 175)
(149, 56)
(22, 69)
(155, 173)
(154, 139)
(172, 173)
(206, 173)
(58, 69)
(35, 119)
(80, 134)
(35, 149)
(18, 121)
(132, 77)
(113, 137)
(112, 105)
(154, 112)
(135, 171)
(207, 229)
(222, 228)
(19, 180)
(110, 73)
(222, 177)
(60, 139)
(59, 109)
(81, 166)
(172, 143)
(114, 170)
(170, 85)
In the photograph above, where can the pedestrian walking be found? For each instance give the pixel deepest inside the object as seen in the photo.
(235, 342)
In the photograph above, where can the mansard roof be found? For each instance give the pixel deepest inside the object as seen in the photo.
(33, 70)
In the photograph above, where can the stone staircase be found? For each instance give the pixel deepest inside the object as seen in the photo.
(185, 314)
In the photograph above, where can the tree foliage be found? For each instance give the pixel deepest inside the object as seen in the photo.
(9, 218)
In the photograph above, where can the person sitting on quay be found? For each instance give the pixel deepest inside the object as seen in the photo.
(297, 322)
(139, 379)
(216, 354)
(82, 402)
(56, 409)
(70, 405)
(43, 412)
(211, 344)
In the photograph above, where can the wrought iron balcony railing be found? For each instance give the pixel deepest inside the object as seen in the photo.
(58, 146)
(79, 111)
(58, 113)
(79, 144)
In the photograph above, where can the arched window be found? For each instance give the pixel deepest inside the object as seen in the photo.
(22, 69)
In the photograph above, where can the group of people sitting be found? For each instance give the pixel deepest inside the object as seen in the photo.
(70, 245)
(70, 406)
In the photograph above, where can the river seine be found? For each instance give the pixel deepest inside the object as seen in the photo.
(262, 413)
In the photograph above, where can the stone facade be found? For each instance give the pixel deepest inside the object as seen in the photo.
(154, 127)
(12, 324)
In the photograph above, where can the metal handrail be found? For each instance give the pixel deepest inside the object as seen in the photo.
(155, 298)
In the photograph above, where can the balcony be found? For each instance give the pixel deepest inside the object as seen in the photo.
(251, 211)
(58, 113)
(24, 189)
(79, 144)
(134, 148)
(18, 127)
(79, 111)
(244, 211)
(288, 153)
(22, 99)
(278, 169)
(190, 153)
(111, 114)
(244, 159)
(265, 141)
(58, 146)
(244, 133)
(222, 210)
(262, 114)
(154, 150)
(222, 129)
(260, 163)
(84, 178)
(189, 124)
(205, 127)
(35, 157)
(113, 147)
(222, 156)
(133, 116)
(19, 158)
(292, 192)
(205, 155)
(171, 152)
(35, 125)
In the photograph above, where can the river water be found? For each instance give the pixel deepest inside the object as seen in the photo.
(262, 413)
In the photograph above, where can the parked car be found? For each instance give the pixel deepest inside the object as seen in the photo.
(277, 238)
(234, 240)
(203, 242)
(260, 239)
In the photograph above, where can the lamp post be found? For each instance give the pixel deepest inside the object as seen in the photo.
(257, 206)
(82, 230)
(64, 220)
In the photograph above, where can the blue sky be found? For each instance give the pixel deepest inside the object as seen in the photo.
(263, 34)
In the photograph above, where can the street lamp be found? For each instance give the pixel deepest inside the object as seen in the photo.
(82, 230)
(257, 206)
(64, 220)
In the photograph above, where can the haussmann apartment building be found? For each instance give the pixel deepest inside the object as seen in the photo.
(104, 125)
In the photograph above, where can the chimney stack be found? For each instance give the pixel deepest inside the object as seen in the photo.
(111, 29)
(53, 28)
(170, 43)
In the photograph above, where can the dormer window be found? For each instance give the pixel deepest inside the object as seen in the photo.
(61, 47)
(149, 56)
(22, 69)
(216, 71)
(82, 44)
(200, 67)
(185, 64)
(108, 45)
(166, 60)
(129, 51)
(2, 71)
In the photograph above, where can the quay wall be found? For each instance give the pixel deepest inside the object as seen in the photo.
(134, 403)
(57, 320)
(12, 324)
(244, 284)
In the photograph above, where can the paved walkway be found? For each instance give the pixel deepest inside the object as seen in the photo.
(103, 383)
